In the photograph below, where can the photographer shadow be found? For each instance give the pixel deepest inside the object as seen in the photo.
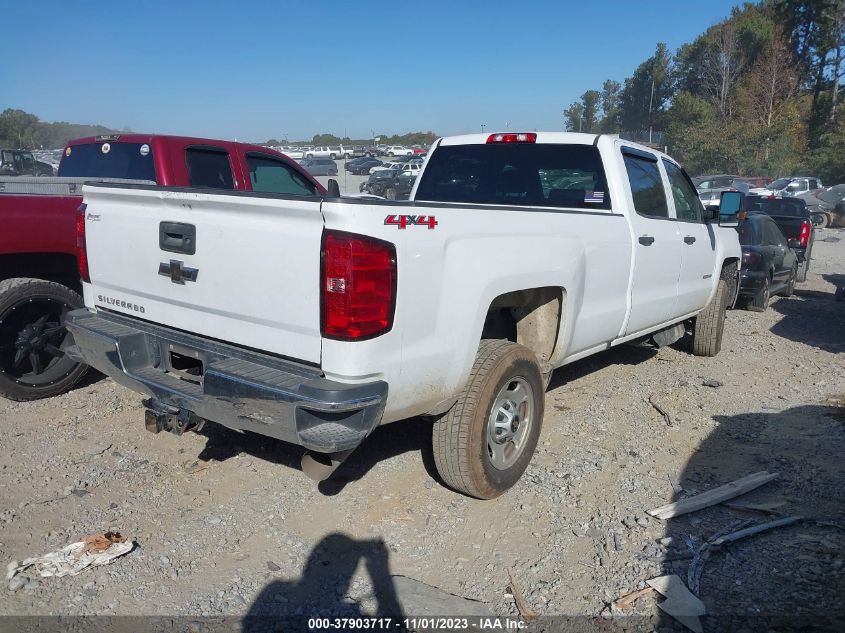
(324, 587)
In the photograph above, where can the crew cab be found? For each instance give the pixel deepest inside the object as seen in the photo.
(316, 319)
(39, 278)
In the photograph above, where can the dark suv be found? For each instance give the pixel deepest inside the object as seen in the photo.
(18, 162)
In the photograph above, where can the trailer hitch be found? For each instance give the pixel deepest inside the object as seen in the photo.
(159, 416)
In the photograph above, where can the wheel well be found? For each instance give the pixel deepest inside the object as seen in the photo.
(529, 317)
(58, 267)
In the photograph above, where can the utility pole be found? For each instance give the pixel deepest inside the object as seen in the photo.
(650, 102)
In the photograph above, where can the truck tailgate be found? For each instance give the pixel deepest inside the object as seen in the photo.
(240, 268)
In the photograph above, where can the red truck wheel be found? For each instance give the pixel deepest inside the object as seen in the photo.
(33, 339)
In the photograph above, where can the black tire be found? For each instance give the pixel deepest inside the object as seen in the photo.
(803, 267)
(390, 193)
(760, 301)
(376, 189)
(709, 325)
(819, 219)
(332, 156)
(461, 437)
(32, 310)
(790, 286)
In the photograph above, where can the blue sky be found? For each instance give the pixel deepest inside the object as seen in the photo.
(254, 70)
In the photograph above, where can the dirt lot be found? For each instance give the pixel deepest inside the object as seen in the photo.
(226, 524)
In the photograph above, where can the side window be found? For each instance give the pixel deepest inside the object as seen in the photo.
(209, 168)
(269, 175)
(646, 187)
(687, 204)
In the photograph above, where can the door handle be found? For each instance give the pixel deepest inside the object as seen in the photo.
(689, 239)
(646, 240)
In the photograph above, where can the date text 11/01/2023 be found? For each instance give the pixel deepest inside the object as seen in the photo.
(476, 623)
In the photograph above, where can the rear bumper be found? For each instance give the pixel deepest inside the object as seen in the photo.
(238, 388)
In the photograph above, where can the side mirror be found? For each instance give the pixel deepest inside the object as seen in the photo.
(333, 188)
(730, 207)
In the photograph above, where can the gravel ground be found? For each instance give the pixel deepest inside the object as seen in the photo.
(226, 524)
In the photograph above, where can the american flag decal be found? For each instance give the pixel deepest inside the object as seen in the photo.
(594, 196)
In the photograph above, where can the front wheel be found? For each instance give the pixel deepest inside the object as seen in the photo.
(484, 443)
(33, 339)
(390, 193)
(709, 325)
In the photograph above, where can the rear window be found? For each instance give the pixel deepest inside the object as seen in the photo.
(541, 175)
(109, 160)
(209, 168)
(784, 207)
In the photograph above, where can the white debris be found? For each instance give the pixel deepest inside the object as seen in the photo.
(76, 557)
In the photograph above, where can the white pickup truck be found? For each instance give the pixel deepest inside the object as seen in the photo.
(315, 319)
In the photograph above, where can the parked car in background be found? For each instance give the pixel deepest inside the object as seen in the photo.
(362, 165)
(769, 266)
(323, 151)
(398, 150)
(788, 186)
(379, 181)
(822, 205)
(293, 152)
(794, 221)
(319, 166)
(18, 162)
(710, 188)
(420, 151)
(411, 168)
(401, 187)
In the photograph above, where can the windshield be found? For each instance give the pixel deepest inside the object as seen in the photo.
(133, 161)
(780, 183)
(524, 174)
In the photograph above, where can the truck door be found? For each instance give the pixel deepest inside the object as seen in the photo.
(657, 243)
(698, 244)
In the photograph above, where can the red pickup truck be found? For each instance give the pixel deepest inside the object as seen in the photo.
(40, 256)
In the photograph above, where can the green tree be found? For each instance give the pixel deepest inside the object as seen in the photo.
(574, 117)
(610, 102)
(19, 129)
(646, 94)
(590, 101)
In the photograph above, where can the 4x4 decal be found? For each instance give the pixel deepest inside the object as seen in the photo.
(404, 221)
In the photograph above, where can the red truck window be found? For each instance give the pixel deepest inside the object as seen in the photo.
(270, 175)
(109, 160)
(209, 168)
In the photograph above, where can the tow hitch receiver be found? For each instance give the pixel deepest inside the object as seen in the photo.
(162, 417)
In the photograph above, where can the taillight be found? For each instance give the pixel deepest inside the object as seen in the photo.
(750, 259)
(358, 293)
(81, 250)
(804, 236)
(513, 137)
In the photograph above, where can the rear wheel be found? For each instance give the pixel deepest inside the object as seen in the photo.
(760, 301)
(709, 325)
(390, 193)
(33, 339)
(484, 443)
(803, 267)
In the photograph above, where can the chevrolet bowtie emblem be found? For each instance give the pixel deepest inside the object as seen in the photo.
(177, 271)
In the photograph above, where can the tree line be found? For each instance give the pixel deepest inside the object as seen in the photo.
(759, 93)
(22, 130)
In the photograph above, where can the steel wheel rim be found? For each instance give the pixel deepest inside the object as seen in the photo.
(509, 423)
(32, 342)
